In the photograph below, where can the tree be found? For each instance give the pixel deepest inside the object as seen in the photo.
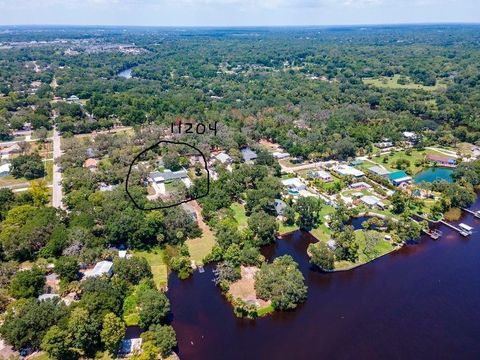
(181, 265)
(27, 320)
(264, 227)
(27, 283)
(282, 283)
(347, 246)
(28, 166)
(67, 269)
(57, 344)
(113, 331)
(154, 307)
(372, 240)
(163, 336)
(85, 331)
(322, 256)
(40, 193)
(309, 212)
(133, 269)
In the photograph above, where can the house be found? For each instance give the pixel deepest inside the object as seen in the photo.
(73, 99)
(322, 175)
(48, 297)
(410, 136)
(279, 206)
(224, 158)
(399, 177)
(130, 346)
(101, 268)
(90, 164)
(248, 154)
(168, 176)
(280, 155)
(442, 160)
(11, 149)
(5, 169)
(372, 201)
(361, 185)
(346, 170)
(379, 171)
(104, 187)
(294, 184)
(384, 144)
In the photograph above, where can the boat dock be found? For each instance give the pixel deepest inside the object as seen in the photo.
(474, 213)
(435, 234)
(463, 229)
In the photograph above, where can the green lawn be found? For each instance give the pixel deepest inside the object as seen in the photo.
(201, 247)
(284, 229)
(392, 83)
(240, 216)
(322, 233)
(156, 259)
(393, 157)
(49, 168)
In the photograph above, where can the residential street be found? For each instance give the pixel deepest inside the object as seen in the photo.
(57, 194)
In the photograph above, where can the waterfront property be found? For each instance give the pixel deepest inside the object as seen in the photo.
(442, 160)
(399, 177)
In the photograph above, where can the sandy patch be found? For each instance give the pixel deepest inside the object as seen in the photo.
(245, 287)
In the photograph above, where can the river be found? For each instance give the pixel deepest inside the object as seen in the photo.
(420, 302)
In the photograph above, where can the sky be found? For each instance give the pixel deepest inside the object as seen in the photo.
(236, 12)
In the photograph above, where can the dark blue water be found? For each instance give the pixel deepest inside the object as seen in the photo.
(421, 302)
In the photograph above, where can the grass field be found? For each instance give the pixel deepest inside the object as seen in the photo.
(156, 259)
(322, 233)
(201, 247)
(392, 83)
(392, 158)
(239, 214)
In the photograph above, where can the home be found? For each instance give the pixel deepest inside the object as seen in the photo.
(346, 170)
(90, 164)
(44, 297)
(399, 177)
(224, 158)
(384, 144)
(130, 346)
(361, 186)
(101, 268)
(10, 149)
(279, 206)
(372, 201)
(280, 155)
(322, 175)
(5, 169)
(410, 137)
(248, 154)
(442, 160)
(73, 99)
(379, 171)
(168, 176)
(294, 184)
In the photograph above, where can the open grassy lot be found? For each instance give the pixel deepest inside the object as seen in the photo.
(392, 83)
(414, 156)
(201, 247)
(322, 233)
(239, 214)
(156, 259)
(285, 229)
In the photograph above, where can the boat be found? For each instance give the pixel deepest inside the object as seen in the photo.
(466, 229)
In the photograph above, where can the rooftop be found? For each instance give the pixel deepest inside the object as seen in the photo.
(223, 158)
(248, 154)
(102, 267)
(379, 170)
(168, 175)
(348, 170)
(398, 175)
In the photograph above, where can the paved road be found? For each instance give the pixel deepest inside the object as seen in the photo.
(57, 194)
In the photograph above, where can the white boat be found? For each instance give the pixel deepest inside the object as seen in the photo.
(466, 228)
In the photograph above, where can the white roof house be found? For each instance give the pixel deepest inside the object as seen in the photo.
(324, 175)
(378, 170)
(346, 170)
(48, 297)
(168, 175)
(294, 183)
(280, 155)
(409, 135)
(360, 185)
(224, 158)
(372, 201)
(5, 169)
(10, 149)
(101, 268)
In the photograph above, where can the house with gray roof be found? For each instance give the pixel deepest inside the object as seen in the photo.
(224, 158)
(248, 154)
(167, 175)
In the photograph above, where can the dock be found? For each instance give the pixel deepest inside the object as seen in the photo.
(434, 234)
(461, 230)
(474, 213)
